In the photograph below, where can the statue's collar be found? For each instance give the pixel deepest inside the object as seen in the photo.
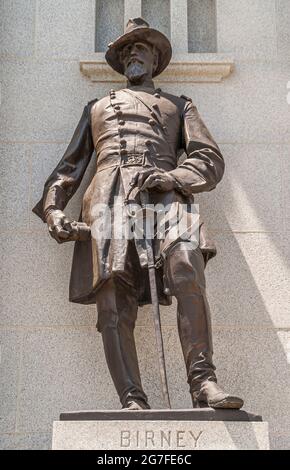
(147, 89)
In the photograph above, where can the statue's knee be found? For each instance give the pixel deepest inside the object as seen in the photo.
(185, 270)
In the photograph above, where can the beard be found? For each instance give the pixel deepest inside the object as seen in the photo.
(135, 72)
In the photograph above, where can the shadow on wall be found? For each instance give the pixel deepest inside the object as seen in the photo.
(247, 293)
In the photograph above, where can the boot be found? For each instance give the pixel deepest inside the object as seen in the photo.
(211, 395)
(135, 404)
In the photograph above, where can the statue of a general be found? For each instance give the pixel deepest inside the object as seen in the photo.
(138, 134)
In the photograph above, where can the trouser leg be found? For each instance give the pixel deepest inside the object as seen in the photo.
(185, 277)
(117, 312)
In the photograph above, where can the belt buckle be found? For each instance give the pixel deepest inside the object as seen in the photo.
(132, 159)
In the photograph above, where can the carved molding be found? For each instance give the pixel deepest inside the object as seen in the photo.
(210, 68)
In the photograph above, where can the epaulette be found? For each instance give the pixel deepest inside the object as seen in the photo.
(186, 98)
(90, 103)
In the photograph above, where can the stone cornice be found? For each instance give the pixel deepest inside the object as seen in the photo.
(186, 68)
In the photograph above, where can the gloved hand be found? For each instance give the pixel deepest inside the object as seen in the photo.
(59, 226)
(63, 229)
(156, 178)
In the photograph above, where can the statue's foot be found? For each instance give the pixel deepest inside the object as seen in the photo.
(134, 404)
(211, 395)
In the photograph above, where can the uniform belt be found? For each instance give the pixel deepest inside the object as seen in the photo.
(111, 161)
(166, 162)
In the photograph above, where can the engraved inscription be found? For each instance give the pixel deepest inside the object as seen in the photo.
(159, 439)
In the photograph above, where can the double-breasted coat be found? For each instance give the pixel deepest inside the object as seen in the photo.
(130, 130)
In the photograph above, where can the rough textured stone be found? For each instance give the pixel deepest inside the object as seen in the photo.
(62, 370)
(249, 198)
(248, 107)
(283, 30)
(178, 20)
(247, 28)
(252, 363)
(17, 27)
(10, 352)
(109, 22)
(202, 34)
(37, 441)
(31, 115)
(286, 186)
(65, 28)
(157, 14)
(34, 290)
(14, 186)
(254, 268)
(129, 435)
(132, 9)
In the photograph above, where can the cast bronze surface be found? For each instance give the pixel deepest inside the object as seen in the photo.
(138, 134)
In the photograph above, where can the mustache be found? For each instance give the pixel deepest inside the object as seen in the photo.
(133, 60)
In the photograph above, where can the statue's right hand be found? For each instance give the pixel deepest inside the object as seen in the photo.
(59, 226)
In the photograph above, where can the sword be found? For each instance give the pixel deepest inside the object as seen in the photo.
(144, 197)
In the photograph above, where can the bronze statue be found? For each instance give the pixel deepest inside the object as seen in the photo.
(138, 134)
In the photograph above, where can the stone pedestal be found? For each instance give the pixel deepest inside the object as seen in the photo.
(191, 429)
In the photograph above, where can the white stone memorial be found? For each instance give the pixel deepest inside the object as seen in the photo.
(192, 429)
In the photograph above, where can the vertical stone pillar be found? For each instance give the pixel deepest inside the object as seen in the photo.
(178, 20)
(132, 9)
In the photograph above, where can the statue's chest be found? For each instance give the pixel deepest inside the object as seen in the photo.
(133, 110)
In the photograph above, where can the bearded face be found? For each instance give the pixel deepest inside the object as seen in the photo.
(140, 61)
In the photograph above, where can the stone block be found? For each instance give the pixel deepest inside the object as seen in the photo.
(247, 29)
(65, 28)
(249, 197)
(14, 187)
(17, 27)
(252, 363)
(247, 282)
(37, 441)
(109, 22)
(10, 353)
(248, 107)
(286, 186)
(154, 431)
(47, 109)
(157, 14)
(62, 370)
(283, 30)
(34, 287)
(202, 34)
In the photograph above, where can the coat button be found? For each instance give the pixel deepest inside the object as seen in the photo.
(151, 122)
(121, 122)
(119, 114)
(148, 142)
(123, 142)
(116, 107)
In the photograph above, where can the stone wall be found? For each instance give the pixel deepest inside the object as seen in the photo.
(51, 354)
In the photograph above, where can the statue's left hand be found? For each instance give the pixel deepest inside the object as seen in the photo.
(158, 179)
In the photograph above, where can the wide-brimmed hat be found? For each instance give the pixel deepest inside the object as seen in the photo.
(138, 29)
